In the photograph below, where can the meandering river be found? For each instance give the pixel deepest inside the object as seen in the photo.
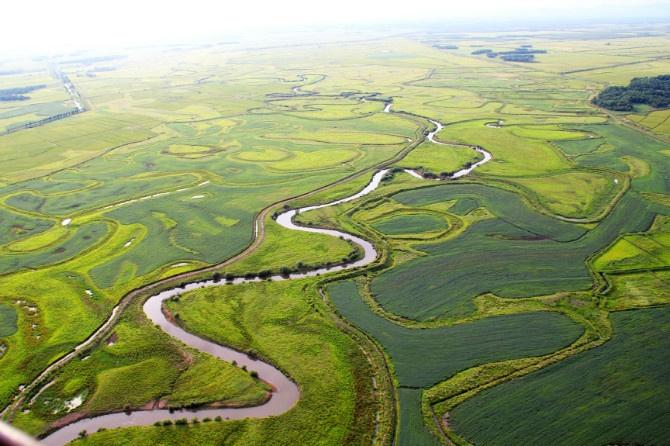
(285, 393)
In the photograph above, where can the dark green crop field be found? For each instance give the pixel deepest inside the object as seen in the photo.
(504, 204)
(8, 318)
(506, 256)
(616, 394)
(423, 357)
(409, 224)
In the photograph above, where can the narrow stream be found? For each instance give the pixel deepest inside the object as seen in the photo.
(285, 392)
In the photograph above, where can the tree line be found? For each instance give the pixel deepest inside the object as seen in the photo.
(653, 91)
(18, 93)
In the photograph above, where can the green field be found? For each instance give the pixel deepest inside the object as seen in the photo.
(452, 271)
(423, 357)
(494, 290)
(409, 224)
(438, 158)
(8, 318)
(616, 394)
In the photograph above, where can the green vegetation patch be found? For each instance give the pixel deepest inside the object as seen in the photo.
(190, 151)
(410, 223)
(653, 91)
(578, 147)
(82, 239)
(318, 159)
(8, 318)
(423, 357)
(413, 431)
(649, 250)
(547, 133)
(615, 394)
(283, 322)
(262, 155)
(525, 253)
(439, 158)
(14, 226)
(575, 194)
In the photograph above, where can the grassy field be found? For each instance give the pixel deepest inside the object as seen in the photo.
(442, 352)
(8, 318)
(180, 151)
(284, 323)
(438, 158)
(135, 366)
(616, 394)
(153, 181)
(398, 224)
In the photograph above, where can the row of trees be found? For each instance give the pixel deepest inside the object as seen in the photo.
(18, 93)
(524, 53)
(653, 91)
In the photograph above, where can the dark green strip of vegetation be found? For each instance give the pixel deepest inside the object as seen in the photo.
(8, 319)
(413, 432)
(18, 93)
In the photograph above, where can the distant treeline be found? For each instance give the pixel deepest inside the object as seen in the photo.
(654, 91)
(18, 93)
(32, 124)
(523, 53)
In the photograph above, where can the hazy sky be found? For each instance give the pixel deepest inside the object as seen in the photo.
(52, 25)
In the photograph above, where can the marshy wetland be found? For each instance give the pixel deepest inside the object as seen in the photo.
(381, 242)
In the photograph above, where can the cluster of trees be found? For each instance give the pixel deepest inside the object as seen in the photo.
(18, 93)
(180, 422)
(517, 57)
(653, 91)
(524, 53)
(51, 118)
(285, 271)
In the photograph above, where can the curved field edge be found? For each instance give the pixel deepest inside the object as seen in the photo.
(288, 323)
(421, 357)
(170, 282)
(571, 402)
